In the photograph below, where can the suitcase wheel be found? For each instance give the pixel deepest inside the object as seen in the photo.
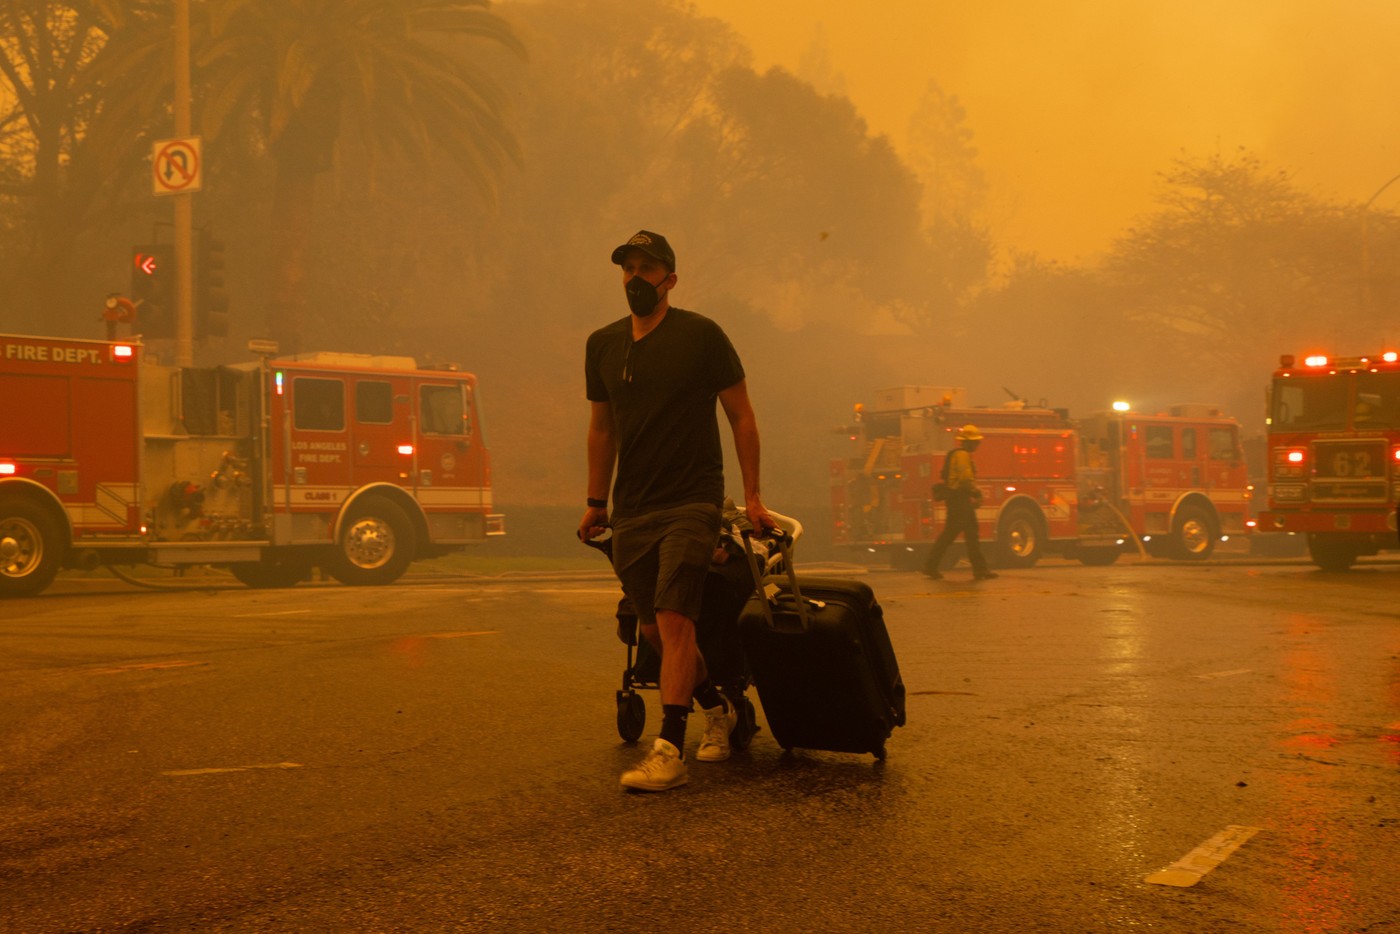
(631, 716)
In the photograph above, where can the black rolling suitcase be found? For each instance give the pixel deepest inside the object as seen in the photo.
(823, 664)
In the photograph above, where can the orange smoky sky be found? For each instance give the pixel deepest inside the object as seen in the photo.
(1076, 106)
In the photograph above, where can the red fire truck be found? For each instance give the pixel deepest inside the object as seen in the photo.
(353, 463)
(1082, 487)
(1334, 455)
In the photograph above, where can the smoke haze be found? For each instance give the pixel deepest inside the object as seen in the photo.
(1077, 202)
(1075, 106)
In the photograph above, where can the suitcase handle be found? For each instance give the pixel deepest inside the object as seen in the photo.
(784, 543)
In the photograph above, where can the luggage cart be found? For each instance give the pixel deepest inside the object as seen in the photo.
(728, 587)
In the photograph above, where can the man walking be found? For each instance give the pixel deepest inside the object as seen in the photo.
(961, 497)
(652, 381)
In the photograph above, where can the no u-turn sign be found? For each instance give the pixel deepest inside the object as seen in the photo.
(175, 166)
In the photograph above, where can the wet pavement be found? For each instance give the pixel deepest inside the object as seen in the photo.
(443, 756)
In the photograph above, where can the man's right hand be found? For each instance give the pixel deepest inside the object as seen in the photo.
(593, 523)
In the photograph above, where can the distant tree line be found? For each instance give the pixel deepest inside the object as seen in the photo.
(285, 89)
(445, 179)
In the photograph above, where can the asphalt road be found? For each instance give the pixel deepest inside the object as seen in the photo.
(442, 756)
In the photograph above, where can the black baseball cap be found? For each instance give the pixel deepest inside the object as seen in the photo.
(652, 244)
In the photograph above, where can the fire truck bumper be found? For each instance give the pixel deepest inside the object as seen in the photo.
(1370, 522)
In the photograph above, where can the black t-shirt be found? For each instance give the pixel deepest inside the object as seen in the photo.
(662, 391)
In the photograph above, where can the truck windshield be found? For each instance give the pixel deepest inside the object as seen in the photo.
(1337, 403)
(1377, 403)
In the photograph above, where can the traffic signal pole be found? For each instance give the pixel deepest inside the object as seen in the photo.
(184, 201)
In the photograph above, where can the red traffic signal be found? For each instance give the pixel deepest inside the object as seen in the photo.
(153, 289)
(147, 263)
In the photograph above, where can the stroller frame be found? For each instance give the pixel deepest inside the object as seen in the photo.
(731, 675)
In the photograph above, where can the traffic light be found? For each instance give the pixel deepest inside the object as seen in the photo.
(153, 289)
(211, 290)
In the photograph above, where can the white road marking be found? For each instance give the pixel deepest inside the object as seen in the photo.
(1192, 867)
(144, 666)
(241, 768)
(1224, 674)
(270, 613)
(459, 635)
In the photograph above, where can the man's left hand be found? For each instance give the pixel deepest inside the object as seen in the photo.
(758, 515)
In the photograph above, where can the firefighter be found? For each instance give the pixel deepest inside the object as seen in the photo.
(961, 496)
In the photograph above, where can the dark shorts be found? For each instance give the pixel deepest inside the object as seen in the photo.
(662, 558)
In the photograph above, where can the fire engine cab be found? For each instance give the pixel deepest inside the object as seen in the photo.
(1083, 487)
(353, 463)
(1334, 455)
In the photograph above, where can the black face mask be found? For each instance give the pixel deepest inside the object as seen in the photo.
(642, 296)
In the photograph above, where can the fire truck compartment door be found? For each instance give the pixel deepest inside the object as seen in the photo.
(40, 426)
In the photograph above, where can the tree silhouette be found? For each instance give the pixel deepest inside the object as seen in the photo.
(303, 82)
(47, 174)
(1236, 266)
(941, 153)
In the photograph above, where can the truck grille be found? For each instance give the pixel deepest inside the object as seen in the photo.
(1351, 471)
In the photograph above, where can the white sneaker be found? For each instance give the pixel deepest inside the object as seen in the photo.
(662, 769)
(719, 723)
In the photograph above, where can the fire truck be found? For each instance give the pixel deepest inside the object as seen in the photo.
(355, 464)
(1334, 455)
(1175, 481)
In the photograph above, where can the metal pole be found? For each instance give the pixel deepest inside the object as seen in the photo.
(1366, 249)
(184, 202)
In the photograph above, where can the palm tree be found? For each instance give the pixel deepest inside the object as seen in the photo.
(293, 74)
(46, 105)
(291, 80)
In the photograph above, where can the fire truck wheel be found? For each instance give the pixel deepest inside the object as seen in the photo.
(31, 548)
(376, 544)
(1331, 554)
(270, 574)
(1020, 537)
(1193, 534)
